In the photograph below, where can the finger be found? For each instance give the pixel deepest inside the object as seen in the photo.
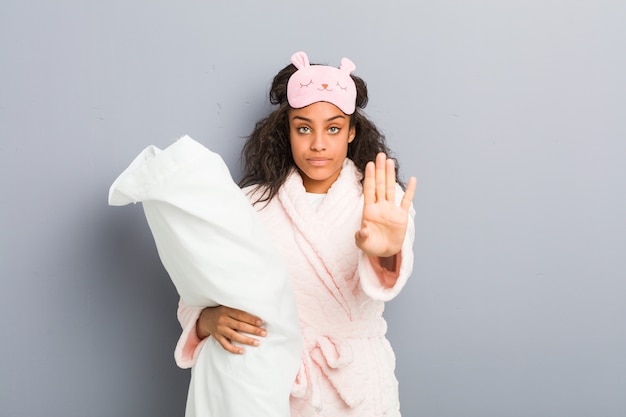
(241, 326)
(237, 336)
(380, 176)
(369, 184)
(407, 199)
(225, 343)
(245, 317)
(391, 181)
(361, 235)
(242, 321)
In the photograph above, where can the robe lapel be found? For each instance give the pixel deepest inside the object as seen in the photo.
(324, 234)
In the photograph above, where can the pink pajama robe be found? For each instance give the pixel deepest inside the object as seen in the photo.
(348, 365)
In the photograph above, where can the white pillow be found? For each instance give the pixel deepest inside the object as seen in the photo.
(216, 251)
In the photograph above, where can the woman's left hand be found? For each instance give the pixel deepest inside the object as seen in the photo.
(384, 223)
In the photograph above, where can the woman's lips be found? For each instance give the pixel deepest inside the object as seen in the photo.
(318, 161)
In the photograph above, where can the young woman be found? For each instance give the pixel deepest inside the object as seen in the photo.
(316, 170)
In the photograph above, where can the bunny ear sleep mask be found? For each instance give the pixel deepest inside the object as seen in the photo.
(313, 83)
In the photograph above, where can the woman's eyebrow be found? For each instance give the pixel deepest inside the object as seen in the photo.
(339, 116)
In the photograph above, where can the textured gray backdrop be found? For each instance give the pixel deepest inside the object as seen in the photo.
(511, 114)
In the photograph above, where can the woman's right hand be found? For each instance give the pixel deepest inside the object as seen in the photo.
(228, 325)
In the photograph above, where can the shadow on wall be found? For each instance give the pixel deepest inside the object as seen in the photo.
(138, 302)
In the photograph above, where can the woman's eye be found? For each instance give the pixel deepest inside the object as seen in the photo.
(333, 130)
(303, 129)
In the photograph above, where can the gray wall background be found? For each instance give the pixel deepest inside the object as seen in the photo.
(510, 113)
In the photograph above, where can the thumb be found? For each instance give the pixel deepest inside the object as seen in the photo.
(361, 236)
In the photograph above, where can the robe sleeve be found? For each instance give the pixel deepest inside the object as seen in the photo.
(189, 345)
(369, 277)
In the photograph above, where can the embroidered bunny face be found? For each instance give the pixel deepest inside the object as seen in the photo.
(313, 83)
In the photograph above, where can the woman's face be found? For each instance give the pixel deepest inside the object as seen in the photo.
(319, 135)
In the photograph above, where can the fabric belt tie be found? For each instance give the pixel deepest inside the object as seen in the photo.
(330, 349)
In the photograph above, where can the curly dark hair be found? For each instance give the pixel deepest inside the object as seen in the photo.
(266, 155)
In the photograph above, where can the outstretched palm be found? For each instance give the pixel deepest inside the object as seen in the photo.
(384, 222)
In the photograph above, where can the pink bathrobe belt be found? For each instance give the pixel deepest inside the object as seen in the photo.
(331, 350)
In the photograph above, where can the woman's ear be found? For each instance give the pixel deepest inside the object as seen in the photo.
(351, 134)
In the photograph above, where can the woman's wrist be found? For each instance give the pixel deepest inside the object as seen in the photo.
(388, 262)
(387, 268)
(201, 330)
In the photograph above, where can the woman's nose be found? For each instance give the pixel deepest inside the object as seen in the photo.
(318, 143)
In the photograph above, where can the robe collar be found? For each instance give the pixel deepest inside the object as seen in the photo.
(339, 215)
